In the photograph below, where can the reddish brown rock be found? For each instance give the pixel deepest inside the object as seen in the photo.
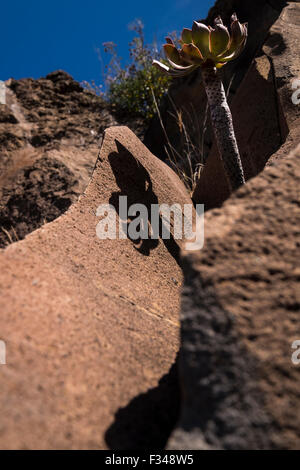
(91, 326)
(49, 133)
(240, 317)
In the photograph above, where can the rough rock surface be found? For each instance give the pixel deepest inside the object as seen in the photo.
(240, 317)
(49, 134)
(265, 118)
(91, 326)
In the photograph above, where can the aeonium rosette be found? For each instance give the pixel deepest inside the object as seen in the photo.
(204, 46)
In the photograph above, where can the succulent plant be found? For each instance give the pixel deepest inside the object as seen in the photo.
(210, 49)
(204, 46)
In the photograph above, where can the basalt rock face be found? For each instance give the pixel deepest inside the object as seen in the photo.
(240, 318)
(49, 134)
(91, 324)
(260, 97)
(266, 119)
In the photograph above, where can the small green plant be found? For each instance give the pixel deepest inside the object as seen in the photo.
(130, 89)
(210, 49)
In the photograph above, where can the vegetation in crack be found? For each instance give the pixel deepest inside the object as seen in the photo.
(210, 49)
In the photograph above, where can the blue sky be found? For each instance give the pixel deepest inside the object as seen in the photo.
(39, 37)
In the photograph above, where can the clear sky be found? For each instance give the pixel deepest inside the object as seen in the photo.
(39, 37)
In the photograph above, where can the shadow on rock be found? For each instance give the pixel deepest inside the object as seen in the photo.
(134, 182)
(148, 420)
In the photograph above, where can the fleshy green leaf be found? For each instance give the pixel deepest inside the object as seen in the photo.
(238, 40)
(219, 40)
(200, 34)
(219, 65)
(160, 66)
(239, 33)
(218, 20)
(170, 41)
(172, 72)
(228, 57)
(179, 67)
(191, 54)
(173, 55)
(186, 36)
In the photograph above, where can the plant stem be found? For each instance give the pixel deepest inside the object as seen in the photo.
(223, 127)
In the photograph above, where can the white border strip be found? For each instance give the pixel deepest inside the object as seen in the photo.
(2, 93)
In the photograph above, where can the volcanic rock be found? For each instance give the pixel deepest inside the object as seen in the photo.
(49, 135)
(240, 319)
(91, 325)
